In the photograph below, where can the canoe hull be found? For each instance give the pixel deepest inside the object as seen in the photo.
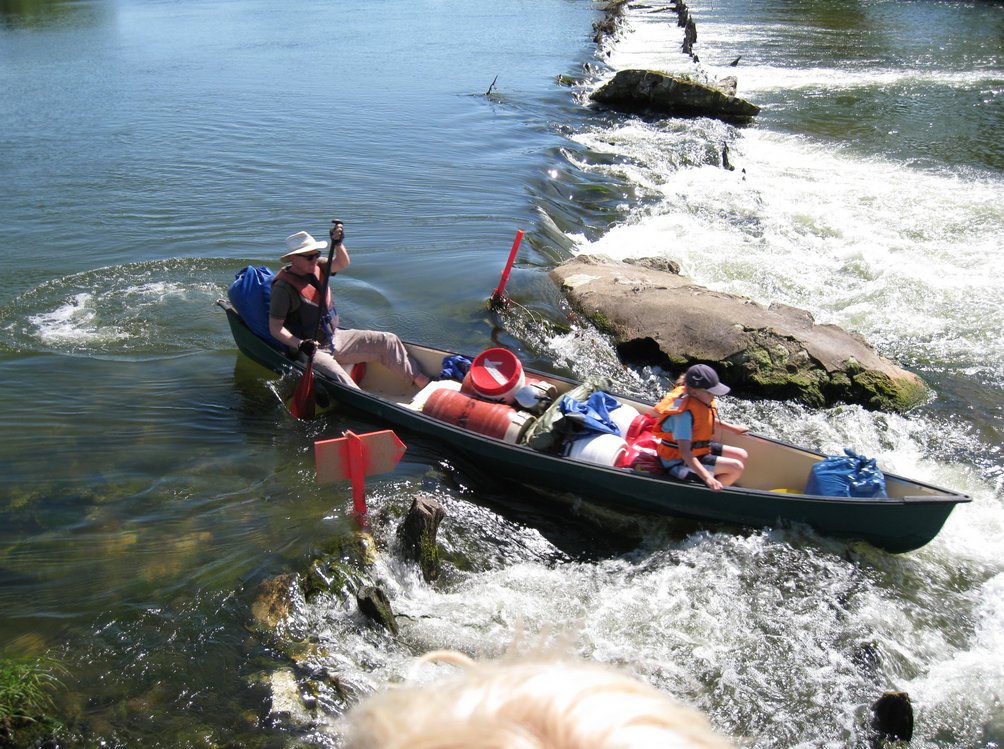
(897, 524)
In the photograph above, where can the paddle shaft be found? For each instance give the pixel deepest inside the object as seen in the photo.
(324, 288)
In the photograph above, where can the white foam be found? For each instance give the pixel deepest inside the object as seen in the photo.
(74, 323)
(963, 686)
(870, 245)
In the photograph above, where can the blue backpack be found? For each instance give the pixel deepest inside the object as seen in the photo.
(848, 475)
(251, 293)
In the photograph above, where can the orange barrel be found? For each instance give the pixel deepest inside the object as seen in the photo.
(496, 374)
(492, 419)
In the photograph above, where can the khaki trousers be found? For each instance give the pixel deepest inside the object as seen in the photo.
(356, 346)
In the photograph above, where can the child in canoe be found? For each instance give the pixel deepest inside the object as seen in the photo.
(686, 420)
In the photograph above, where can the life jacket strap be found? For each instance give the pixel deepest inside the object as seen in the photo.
(700, 444)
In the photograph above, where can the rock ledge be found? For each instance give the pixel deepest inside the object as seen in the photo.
(644, 91)
(658, 317)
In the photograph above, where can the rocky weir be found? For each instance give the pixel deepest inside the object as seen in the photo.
(657, 93)
(658, 317)
(308, 687)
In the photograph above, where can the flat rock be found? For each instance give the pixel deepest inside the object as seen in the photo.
(658, 317)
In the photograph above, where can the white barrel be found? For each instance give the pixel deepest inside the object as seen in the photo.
(623, 416)
(602, 449)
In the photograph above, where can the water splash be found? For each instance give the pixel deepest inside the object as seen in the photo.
(120, 310)
(782, 637)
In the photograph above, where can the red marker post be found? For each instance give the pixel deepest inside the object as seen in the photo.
(498, 298)
(354, 457)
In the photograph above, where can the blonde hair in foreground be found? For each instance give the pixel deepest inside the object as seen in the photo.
(527, 704)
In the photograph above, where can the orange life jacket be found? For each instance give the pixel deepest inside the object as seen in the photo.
(704, 416)
(304, 323)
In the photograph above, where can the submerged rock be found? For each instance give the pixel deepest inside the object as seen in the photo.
(273, 602)
(646, 91)
(658, 317)
(342, 570)
(375, 605)
(892, 718)
(286, 699)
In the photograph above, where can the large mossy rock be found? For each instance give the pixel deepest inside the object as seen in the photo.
(647, 91)
(658, 317)
(343, 568)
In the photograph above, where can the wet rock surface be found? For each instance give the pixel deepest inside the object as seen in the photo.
(658, 317)
(651, 91)
(417, 534)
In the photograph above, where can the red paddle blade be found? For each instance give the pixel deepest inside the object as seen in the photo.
(304, 399)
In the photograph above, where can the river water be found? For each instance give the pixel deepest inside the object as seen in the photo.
(153, 479)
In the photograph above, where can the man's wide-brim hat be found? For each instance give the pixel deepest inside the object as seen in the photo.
(302, 243)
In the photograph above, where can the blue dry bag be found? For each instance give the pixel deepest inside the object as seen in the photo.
(849, 475)
(593, 415)
(250, 293)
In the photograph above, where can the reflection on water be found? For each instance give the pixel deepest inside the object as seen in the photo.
(29, 14)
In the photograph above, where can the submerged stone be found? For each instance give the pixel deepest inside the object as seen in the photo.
(286, 699)
(375, 605)
(342, 569)
(274, 601)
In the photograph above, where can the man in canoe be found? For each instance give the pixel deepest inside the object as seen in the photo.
(686, 424)
(309, 327)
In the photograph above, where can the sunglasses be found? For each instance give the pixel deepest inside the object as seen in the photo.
(312, 256)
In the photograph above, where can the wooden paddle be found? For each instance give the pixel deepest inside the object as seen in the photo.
(304, 402)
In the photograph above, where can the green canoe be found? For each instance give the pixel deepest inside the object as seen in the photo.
(767, 495)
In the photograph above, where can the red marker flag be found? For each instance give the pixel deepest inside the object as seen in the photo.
(498, 298)
(356, 456)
